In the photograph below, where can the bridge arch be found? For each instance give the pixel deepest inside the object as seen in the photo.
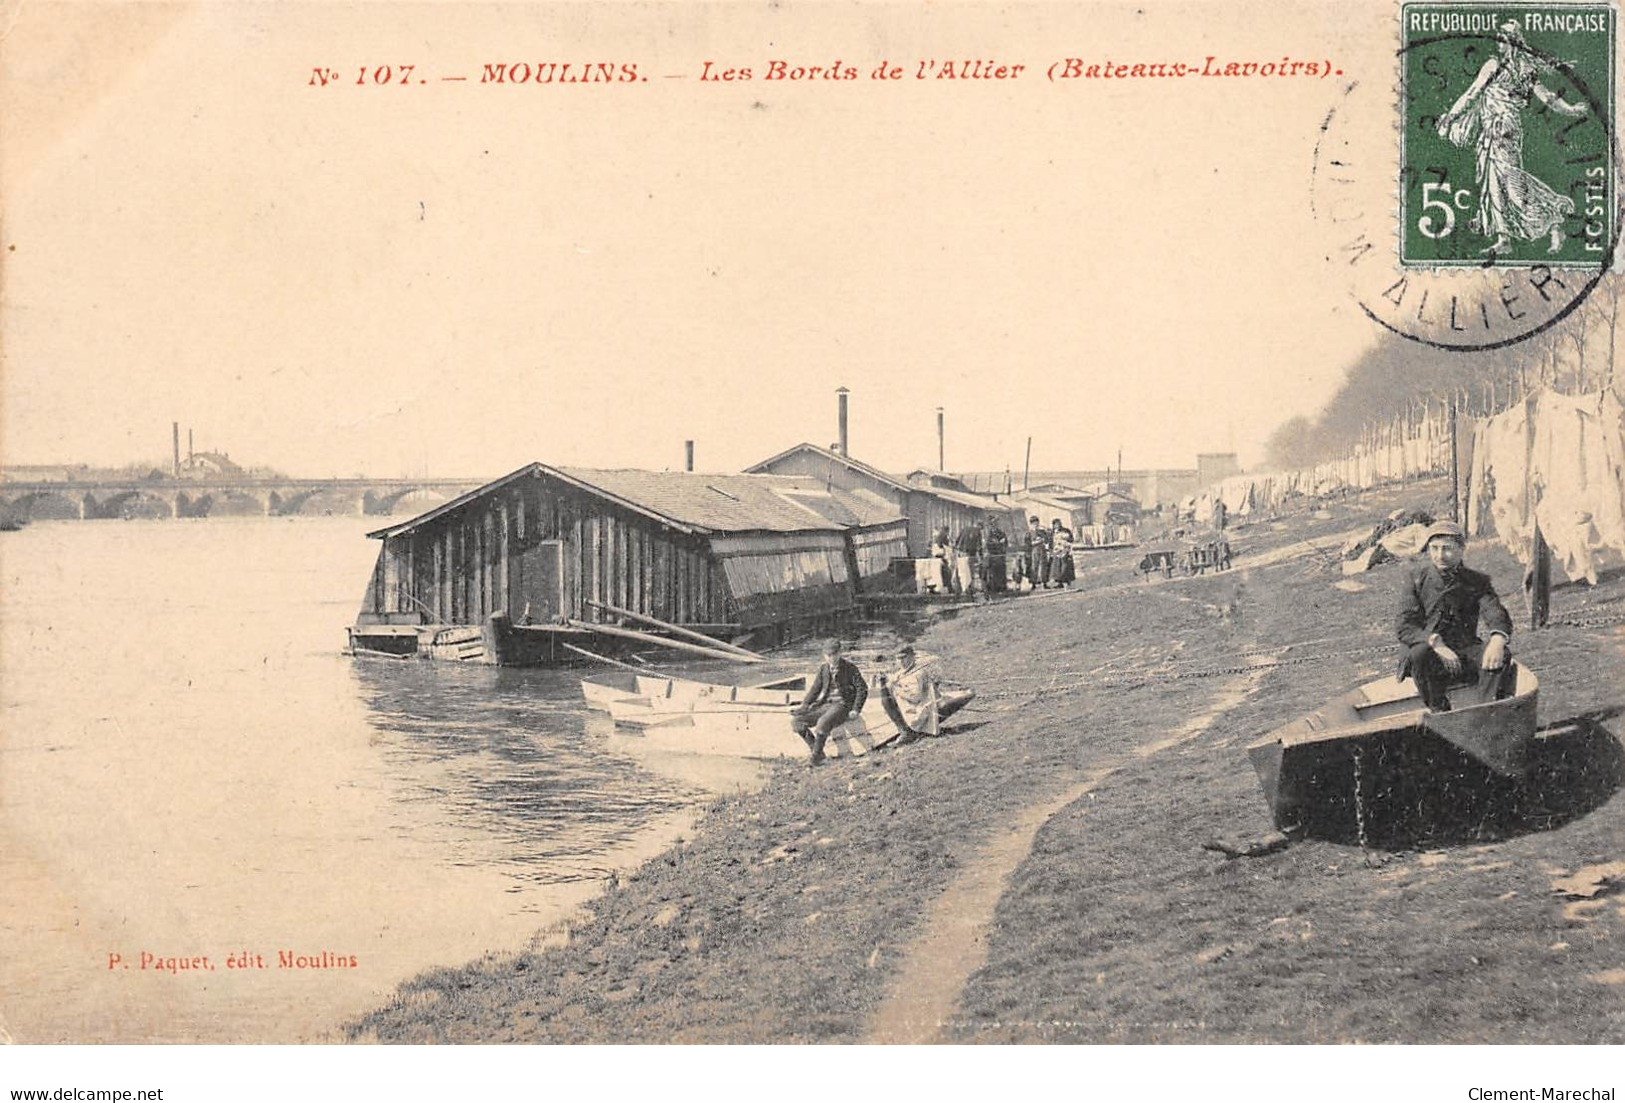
(130, 505)
(405, 502)
(46, 505)
(220, 503)
(317, 502)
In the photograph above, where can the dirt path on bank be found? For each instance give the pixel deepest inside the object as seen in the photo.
(1038, 875)
(954, 943)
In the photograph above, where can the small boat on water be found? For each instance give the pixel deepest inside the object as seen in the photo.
(629, 693)
(1378, 749)
(749, 721)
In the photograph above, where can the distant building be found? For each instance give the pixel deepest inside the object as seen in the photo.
(1215, 467)
(1151, 487)
(930, 500)
(1113, 507)
(1051, 503)
(209, 465)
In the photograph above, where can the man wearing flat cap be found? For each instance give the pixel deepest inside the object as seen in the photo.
(1441, 605)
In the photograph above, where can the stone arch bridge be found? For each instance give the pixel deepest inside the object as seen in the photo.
(168, 498)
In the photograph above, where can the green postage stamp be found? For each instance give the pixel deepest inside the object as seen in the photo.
(1507, 154)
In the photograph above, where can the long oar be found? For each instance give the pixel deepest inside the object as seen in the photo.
(677, 629)
(582, 651)
(662, 641)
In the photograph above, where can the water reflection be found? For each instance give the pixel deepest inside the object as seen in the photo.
(189, 766)
(509, 754)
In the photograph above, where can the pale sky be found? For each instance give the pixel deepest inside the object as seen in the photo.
(456, 278)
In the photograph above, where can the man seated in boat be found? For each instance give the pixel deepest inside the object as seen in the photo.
(915, 698)
(838, 691)
(1440, 608)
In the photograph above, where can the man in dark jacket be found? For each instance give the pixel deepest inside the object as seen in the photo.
(996, 573)
(838, 691)
(1441, 605)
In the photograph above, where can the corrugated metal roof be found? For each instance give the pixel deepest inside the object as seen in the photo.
(874, 509)
(939, 480)
(722, 503)
(1058, 491)
(860, 508)
(697, 502)
(960, 497)
(965, 498)
(1022, 497)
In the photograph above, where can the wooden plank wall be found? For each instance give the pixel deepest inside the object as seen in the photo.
(917, 511)
(471, 562)
(618, 557)
(875, 549)
(928, 513)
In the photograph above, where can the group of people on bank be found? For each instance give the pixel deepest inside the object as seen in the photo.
(912, 694)
(981, 558)
(1442, 604)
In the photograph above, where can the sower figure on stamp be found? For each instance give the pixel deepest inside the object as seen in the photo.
(1512, 202)
(1441, 605)
(838, 691)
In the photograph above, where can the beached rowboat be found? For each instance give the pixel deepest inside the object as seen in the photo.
(1379, 746)
(631, 695)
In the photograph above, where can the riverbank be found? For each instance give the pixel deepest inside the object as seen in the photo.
(1038, 874)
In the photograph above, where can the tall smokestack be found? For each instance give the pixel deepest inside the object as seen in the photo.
(840, 419)
(175, 433)
(942, 463)
(688, 455)
(189, 452)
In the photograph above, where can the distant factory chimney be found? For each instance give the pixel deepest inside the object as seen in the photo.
(688, 455)
(942, 463)
(840, 421)
(175, 433)
(189, 452)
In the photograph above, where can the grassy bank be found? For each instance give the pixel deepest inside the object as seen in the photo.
(791, 914)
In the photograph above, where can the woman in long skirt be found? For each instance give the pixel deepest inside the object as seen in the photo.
(1036, 546)
(1061, 570)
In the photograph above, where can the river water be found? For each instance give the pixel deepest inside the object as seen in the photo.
(190, 768)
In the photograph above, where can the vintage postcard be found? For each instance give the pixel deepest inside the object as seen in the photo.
(585, 522)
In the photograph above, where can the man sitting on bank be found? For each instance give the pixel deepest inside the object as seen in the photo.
(838, 691)
(1440, 608)
(915, 698)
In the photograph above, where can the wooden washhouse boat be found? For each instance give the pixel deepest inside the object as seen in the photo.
(554, 565)
(1377, 750)
(692, 717)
